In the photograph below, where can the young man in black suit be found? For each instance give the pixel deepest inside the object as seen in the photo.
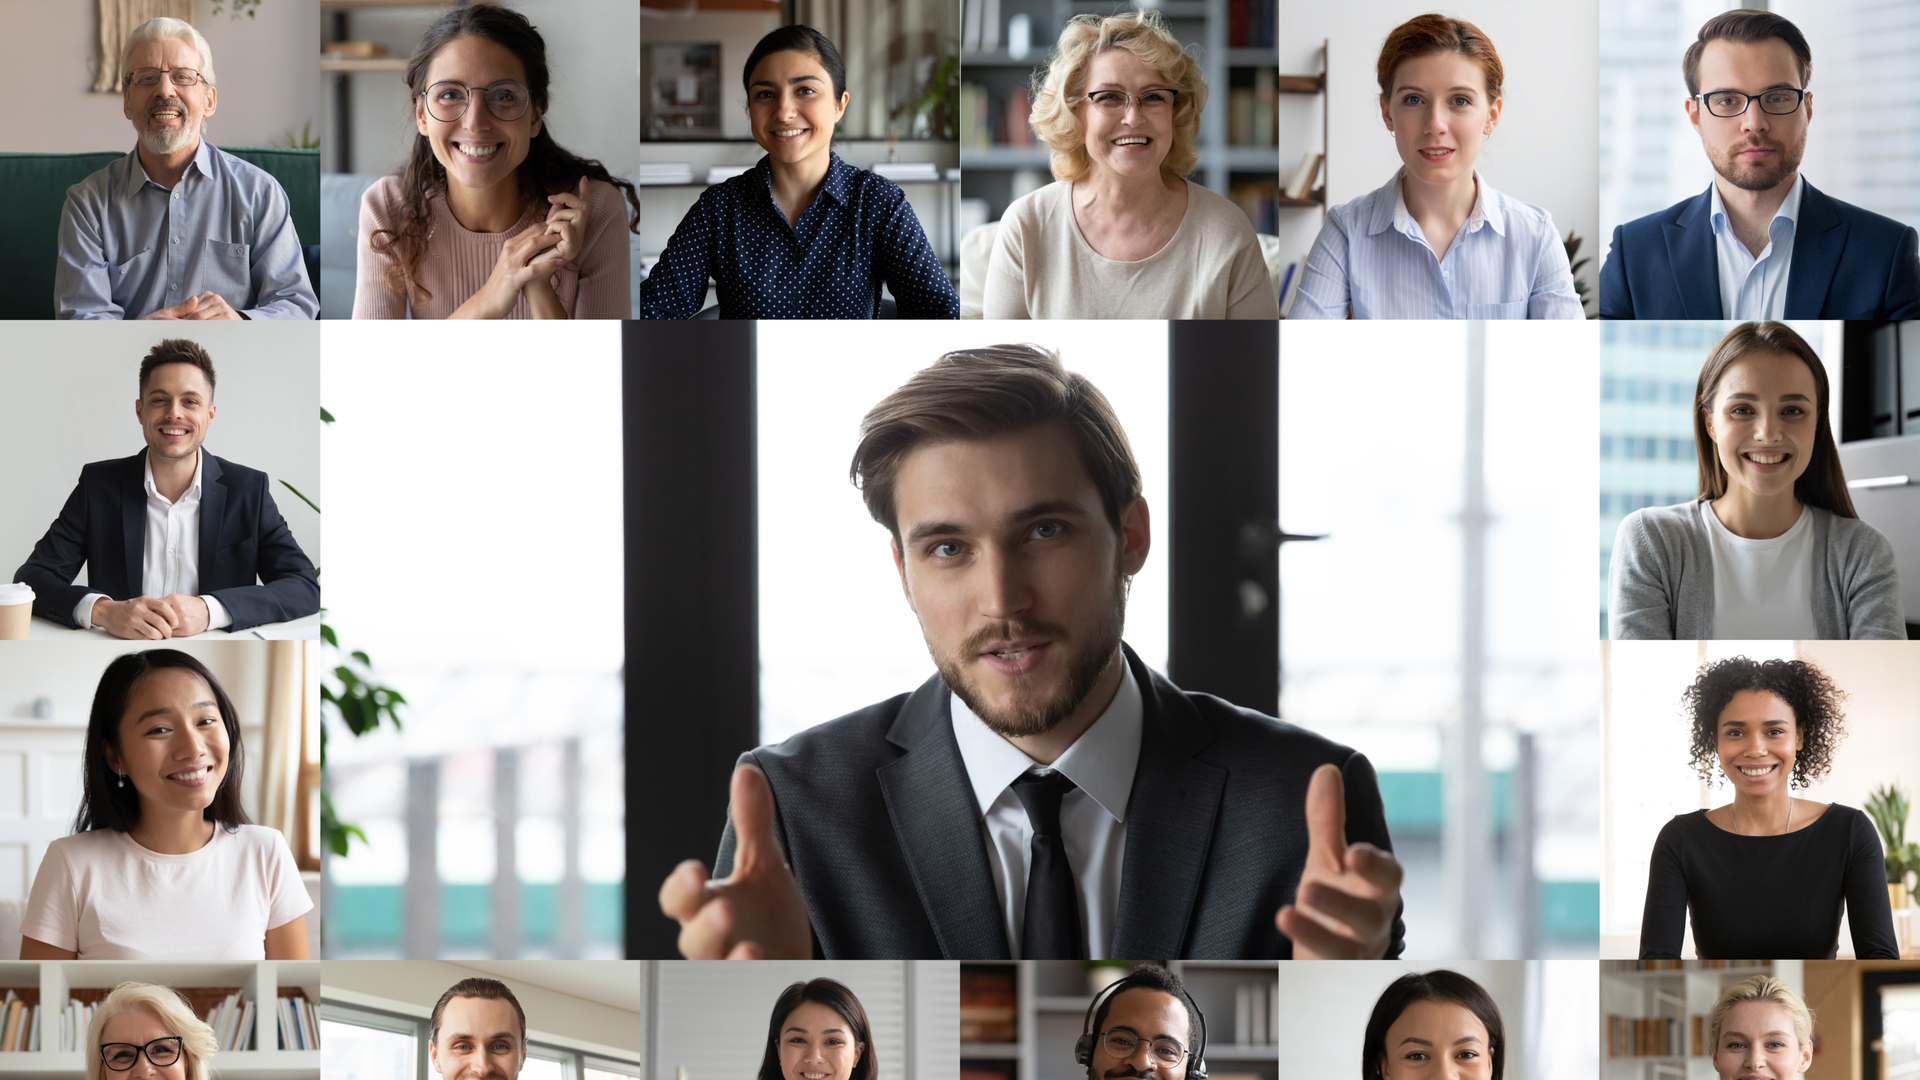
(175, 540)
(1046, 795)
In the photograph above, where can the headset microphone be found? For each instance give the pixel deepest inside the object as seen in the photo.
(1196, 1056)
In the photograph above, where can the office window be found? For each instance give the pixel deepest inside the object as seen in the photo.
(835, 633)
(1373, 454)
(360, 1045)
(485, 582)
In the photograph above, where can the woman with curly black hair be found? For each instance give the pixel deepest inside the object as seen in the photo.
(1766, 875)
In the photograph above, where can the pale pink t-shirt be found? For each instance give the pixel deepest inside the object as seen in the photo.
(105, 897)
(597, 285)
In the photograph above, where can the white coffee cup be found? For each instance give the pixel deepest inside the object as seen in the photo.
(16, 611)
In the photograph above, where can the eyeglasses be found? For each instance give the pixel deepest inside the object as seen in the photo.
(148, 78)
(123, 1056)
(1165, 1052)
(1780, 101)
(1149, 101)
(506, 100)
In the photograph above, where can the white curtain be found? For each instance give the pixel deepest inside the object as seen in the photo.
(118, 20)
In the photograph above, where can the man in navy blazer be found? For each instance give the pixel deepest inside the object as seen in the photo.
(1761, 242)
(175, 540)
(1046, 795)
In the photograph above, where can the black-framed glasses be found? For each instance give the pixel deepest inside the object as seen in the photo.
(506, 100)
(148, 78)
(123, 1056)
(1727, 104)
(1157, 100)
(1165, 1052)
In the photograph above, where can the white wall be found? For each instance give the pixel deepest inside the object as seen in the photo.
(82, 380)
(593, 54)
(268, 67)
(1544, 152)
(568, 1003)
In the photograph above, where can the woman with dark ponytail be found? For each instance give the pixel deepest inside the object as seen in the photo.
(490, 218)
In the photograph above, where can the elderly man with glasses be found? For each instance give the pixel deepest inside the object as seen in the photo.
(1761, 242)
(178, 229)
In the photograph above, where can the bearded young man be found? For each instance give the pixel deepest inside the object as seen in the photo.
(1761, 243)
(1046, 795)
(178, 229)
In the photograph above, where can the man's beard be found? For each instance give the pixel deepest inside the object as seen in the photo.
(1761, 177)
(170, 140)
(1086, 661)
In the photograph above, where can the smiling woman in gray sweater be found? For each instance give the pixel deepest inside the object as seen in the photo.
(1771, 548)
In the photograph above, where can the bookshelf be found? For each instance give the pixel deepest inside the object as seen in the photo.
(1634, 1001)
(1048, 1004)
(1239, 155)
(53, 982)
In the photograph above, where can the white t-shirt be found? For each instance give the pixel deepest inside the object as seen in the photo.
(104, 896)
(1762, 588)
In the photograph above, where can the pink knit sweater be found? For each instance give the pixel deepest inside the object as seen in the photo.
(458, 262)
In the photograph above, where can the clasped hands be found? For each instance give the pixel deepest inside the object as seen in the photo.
(1343, 909)
(529, 258)
(152, 618)
(207, 305)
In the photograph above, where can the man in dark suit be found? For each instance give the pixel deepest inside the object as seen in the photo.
(175, 540)
(1761, 242)
(1046, 794)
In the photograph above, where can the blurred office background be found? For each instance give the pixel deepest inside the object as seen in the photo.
(366, 113)
(1541, 153)
(1649, 372)
(1006, 45)
(585, 1020)
(1643, 1006)
(474, 556)
(902, 77)
(1863, 143)
(710, 1019)
(1648, 781)
(46, 693)
(1440, 624)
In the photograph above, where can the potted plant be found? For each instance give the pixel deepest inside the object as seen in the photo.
(1888, 806)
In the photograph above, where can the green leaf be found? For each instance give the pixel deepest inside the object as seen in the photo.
(325, 416)
(362, 657)
(327, 635)
(303, 498)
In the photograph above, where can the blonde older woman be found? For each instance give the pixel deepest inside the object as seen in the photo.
(1121, 234)
(141, 1031)
(1760, 1028)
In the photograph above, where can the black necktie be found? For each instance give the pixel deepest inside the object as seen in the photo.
(1052, 923)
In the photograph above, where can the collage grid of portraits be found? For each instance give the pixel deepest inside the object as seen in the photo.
(942, 596)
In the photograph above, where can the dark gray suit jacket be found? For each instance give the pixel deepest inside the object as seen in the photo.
(889, 846)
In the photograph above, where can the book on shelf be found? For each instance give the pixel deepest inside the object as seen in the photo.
(73, 1023)
(1250, 23)
(1647, 1036)
(987, 1006)
(232, 1021)
(1286, 282)
(298, 1029)
(1253, 117)
(18, 1031)
(1301, 183)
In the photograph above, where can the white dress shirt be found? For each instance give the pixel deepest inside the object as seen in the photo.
(1101, 763)
(1506, 262)
(170, 559)
(1750, 287)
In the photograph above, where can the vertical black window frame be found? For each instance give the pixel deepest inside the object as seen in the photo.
(692, 677)
(1223, 540)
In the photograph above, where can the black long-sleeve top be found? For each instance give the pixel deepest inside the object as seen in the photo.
(1775, 897)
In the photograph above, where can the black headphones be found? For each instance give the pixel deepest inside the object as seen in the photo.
(1196, 1054)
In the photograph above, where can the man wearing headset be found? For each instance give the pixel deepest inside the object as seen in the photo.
(1144, 1025)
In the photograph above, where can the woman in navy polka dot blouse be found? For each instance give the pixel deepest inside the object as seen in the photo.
(803, 235)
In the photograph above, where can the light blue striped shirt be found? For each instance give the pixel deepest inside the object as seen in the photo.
(1756, 287)
(129, 247)
(1507, 262)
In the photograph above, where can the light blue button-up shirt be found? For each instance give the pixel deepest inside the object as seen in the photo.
(1756, 288)
(1507, 262)
(129, 247)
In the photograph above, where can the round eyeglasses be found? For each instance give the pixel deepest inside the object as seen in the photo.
(123, 1056)
(1148, 101)
(1779, 101)
(148, 78)
(506, 100)
(1165, 1052)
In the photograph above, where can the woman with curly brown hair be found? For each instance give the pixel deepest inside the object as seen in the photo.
(1766, 875)
(490, 218)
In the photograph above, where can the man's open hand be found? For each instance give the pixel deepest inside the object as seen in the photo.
(1344, 907)
(755, 914)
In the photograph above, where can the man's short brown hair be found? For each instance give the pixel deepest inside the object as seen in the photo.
(981, 393)
(491, 989)
(176, 351)
(1744, 27)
